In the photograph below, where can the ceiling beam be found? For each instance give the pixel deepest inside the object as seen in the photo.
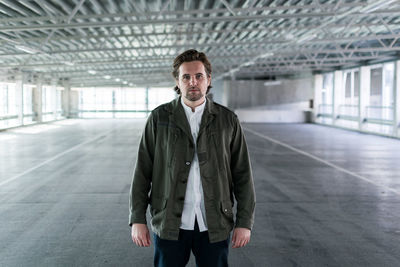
(178, 20)
(148, 14)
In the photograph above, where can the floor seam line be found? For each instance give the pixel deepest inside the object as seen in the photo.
(320, 160)
(54, 158)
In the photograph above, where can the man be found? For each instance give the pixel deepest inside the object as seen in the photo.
(192, 163)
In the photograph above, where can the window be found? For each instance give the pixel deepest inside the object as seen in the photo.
(376, 87)
(348, 85)
(158, 96)
(356, 84)
(59, 91)
(132, 100)
(8, 106)
(28, 103)
(126, 102)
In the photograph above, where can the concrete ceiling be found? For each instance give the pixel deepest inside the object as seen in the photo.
(133, 42)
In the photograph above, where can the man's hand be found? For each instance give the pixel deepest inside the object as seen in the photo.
(240, 238)
(140, 235)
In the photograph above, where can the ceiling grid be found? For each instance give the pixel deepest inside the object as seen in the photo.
(133, 42)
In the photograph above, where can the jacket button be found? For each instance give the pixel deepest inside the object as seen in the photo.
(187, 163)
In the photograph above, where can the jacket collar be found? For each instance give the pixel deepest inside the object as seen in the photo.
(178, 116)
(174, 106)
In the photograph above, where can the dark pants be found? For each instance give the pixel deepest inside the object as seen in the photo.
(176, 253)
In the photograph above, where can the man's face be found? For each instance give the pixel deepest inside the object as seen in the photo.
(193, 81)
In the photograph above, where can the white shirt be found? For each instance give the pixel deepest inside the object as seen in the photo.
(194, 199)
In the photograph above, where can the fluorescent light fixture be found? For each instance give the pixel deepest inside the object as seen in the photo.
(289, 36)
(92, 72)
(69, 63)
(246, 64)
(272, 83)
(107, 77)
(130, 84)
(375, 5)
(125, 82)
(118, 80)
(27, 49)
(268, 54)
(306, 37)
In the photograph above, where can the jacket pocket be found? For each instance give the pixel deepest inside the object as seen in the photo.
(157, 205)
(227, 213)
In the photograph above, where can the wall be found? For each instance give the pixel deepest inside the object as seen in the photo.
(256, 93)
(284, 100)
(217, 91)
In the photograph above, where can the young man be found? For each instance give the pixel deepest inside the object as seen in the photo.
(192, 163)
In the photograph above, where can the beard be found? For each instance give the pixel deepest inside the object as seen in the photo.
(194, 95)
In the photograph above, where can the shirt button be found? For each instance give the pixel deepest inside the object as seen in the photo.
(187, 163)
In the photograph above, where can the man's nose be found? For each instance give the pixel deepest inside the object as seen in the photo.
(193, 80)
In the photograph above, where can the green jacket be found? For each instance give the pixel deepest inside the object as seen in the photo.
(165, 153)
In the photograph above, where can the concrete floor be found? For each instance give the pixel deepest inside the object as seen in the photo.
(325, 196)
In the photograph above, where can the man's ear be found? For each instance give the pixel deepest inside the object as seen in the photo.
(209, 80)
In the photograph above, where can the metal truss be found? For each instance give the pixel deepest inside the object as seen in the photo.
(133, 42)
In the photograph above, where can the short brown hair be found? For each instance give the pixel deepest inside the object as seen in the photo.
(189, 56)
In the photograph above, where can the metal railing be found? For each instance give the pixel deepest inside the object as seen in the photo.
(97, 113)
(8, 117)
(379, 115)
(325, 110)
(348, 112)
(372, 114)
(111, 111)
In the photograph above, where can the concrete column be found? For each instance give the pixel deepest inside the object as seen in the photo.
(54, 97)
(113, 102)
(19, 98)
(217, 91)
(396, 98)
(363, 99)
(318, 84)
(337, 94)
(37, 100)
(66, 99)
(225, 93)
(234, 93)
(74, 104)
(147, 99)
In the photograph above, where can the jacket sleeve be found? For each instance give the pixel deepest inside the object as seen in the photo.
(142, 176)
(242, 178)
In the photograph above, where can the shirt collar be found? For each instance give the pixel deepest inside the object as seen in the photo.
(198, 109)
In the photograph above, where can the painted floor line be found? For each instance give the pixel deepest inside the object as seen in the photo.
(321, 160)
(54, 158)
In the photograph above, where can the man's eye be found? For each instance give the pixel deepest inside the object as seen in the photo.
(186, 77)
(199, 76)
